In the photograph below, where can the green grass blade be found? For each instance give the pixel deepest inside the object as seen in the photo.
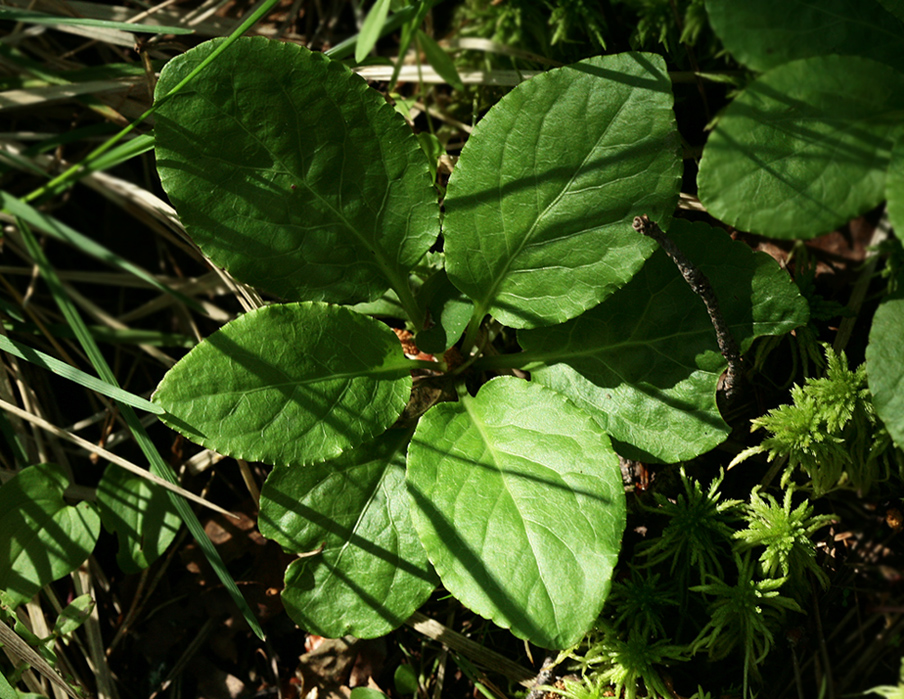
(440, 60)
(80, 169)
(101, 333)
(45, 361)
(17, 207)
(31, 17)
(158, 466)
(372, 29)
(346, 48)
(121, 153)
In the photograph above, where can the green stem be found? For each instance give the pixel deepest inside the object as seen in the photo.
(416, 314)
(473, 329)
(527, 361)
(429, 366)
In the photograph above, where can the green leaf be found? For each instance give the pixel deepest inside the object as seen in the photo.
(288, 170)
(372, 572)
(288, 384)
(405, 680)
(804, 148)
(440, 60)
(371, 29)
(894, 185)
(645, 363)
(540, 204)
(41, 537)
(884, 368)
(8, 692)
(366, 693)
(518, 500)
(763, 34)
(450, 312)
(140, 514)
(73, 615)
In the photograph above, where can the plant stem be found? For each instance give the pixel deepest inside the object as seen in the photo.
(416, 314)
(428, 365)
(519, 360)
(702, 287)
(472, 330)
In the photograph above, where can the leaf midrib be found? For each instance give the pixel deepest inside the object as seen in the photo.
(527, 239)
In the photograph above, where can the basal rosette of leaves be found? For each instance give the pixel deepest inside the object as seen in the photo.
(309, 185)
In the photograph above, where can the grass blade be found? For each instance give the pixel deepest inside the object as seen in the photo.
(158, 466)
(31, 17)
(45, 361)
(371, 29)
(17, 207)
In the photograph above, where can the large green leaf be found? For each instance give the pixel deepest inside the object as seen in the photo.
(140, 514)
(540, 204)
(894, 185)
(288, 170)
(884, 367)
(288, 384)
(41, 537)
(518, 500)
(372, 572)
(645, 363)
(804, 148)
(763, 34)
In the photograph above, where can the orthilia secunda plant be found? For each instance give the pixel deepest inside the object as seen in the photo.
(495, 474)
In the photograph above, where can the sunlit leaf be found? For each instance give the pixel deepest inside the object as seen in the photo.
(41, 537)
(288, 384)
(646, 362)
(288, 170)
(540, 204)
(140, 514)
(368, 572)
(518, 500)
(804, 148)
(884, 365)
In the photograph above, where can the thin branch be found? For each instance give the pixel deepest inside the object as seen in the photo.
(471, 649)
(543, 677)
(701, 286)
